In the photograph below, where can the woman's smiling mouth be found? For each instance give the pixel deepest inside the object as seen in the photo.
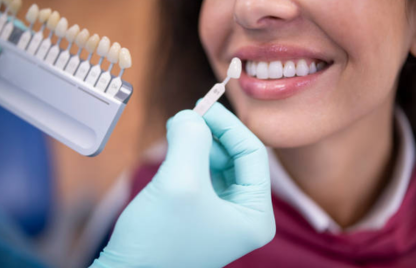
(278, 72)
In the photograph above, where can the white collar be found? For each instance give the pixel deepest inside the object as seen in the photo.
(385, 207)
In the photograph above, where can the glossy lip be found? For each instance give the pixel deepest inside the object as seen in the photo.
(280, 88)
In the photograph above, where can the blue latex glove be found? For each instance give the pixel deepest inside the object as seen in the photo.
(182, 218)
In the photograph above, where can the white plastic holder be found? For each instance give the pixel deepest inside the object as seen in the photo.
(53, 54)
(7, 31)
(44, 48)
(35, 42)
(94, 75)
(63, 60)
(3, 21)
(67, 109)
(24, 40)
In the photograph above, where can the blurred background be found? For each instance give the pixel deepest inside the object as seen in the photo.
(66, 221)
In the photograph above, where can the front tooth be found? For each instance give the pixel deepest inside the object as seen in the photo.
(312, 68)
(290, 69)
(92, 43)
(253, 69)
(321, 66)
(53, 20)
(248, 67)
(32, 13)
(276, 70)
(262, 70)
(302, 68)
(61, 28)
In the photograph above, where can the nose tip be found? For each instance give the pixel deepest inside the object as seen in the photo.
(260, 14)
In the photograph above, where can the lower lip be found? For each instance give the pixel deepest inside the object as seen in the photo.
(276, 89)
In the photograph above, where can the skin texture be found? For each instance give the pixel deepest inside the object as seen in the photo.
(325, 134)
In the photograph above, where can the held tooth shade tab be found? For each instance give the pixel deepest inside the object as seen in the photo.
(47, 43)
(125, 59)
(234, 71)
(34, 44)
(103, 47)
(72, 33)
(53, 20)
(92, 43)
(14, 6)
(82, 38)
(113, 53)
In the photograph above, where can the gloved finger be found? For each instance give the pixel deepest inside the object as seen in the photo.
(245, 149)
(219, 158)
(189, 144)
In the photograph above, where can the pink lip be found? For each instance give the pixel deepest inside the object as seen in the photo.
(280, 88)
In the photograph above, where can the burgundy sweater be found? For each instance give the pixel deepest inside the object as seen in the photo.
(297, 244)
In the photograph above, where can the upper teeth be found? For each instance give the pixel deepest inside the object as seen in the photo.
(277, 70)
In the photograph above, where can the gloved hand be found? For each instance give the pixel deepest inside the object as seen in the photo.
(182, 218)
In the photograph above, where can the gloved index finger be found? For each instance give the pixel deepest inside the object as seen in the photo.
(246, 150)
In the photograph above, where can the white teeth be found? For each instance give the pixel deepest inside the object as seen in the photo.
(124, 58)
(92, 43)
(14, 6)
(276, 70)
(61, 28)
(53, 20)
(72, 33)
(82, 38)
(32, 14)
(290, 69)
(262, 70)
(312, 68)
(44, 15)
(113, 53)
(302, 68)
(103, 47)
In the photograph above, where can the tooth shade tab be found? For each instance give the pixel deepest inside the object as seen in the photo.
(103, 47)
(7, 2)
(44, 15)
(53, 20)
(14, 6)
(82, 38)
(32, 14)
(61, 28)
(235, 68)
(92, 43)
(114, 52)
(72, 33)
(125, 61)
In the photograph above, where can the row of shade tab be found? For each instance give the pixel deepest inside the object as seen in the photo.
(40, 46)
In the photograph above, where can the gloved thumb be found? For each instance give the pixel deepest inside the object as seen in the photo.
(189, 145)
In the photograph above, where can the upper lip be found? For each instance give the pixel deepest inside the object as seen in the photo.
(279, 52)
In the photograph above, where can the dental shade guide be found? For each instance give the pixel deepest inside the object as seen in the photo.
(59, 103)
(81, 41)
(37, 38)
(63, 58)
(31, 17)
(47, 43)
(105, 77)
(7, 30)
(85, 66)
(234, 71)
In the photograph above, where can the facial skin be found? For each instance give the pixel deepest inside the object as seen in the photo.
(367, 41)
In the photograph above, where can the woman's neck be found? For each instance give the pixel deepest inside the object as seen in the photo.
(345, 173)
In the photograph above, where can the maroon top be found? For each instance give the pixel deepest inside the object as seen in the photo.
(297, 244)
